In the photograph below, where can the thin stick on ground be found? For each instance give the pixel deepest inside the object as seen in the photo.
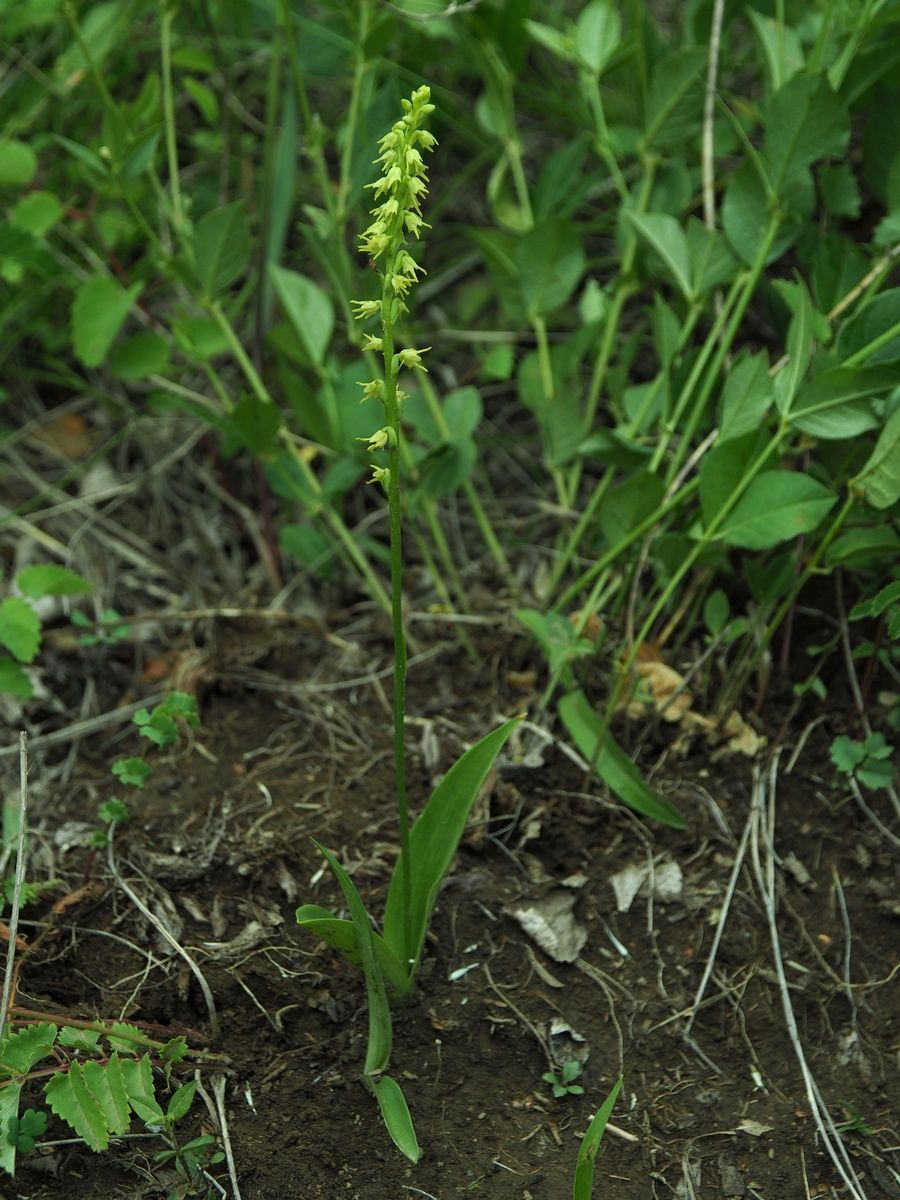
(762, 809)
(218, 1086)
(164, 933)
(9, 975)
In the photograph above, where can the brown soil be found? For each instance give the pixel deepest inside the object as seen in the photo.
(295, 742)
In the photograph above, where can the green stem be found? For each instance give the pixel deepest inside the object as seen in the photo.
(392, 411)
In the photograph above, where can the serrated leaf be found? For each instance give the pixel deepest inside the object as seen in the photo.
(21, 1050)
(98, 313)
(125, 1045)
(107, 1086)
(9, 1110)
(73, 1102)
(20, 628)
(138, 1077)
(133, 771)
(14, 680)
(47, 579)
(221, 247)
(74, 1038)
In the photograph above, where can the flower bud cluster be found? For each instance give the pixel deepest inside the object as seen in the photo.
(401, 188)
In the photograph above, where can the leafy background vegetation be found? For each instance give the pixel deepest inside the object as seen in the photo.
(663, 399)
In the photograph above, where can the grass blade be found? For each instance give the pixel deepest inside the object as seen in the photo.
(590, 1144)
(340, 935)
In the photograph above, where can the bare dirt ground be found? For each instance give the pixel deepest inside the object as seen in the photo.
(729, 1072)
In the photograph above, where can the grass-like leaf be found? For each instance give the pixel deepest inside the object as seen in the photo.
(590, 1144)
(613, 765)
(395, 1112)
(340, 935)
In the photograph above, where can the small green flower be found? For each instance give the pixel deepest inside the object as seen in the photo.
(379, 440)
(373, 390)
(373, 343)
(411, 358)
(381, 475)
(365, 308)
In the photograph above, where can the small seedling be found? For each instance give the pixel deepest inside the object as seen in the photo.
(563, 1084)
(869, 760)
(109, 630)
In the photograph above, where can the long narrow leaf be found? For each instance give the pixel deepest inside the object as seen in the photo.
(340, 935)
(590, 1144)
(378, 1051)
(395, 1112)
(613, 765)
(434, 840)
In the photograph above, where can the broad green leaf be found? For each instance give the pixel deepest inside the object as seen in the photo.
(140, 156)
(746, 396)
(37, 213)
(840, 191)
(308, 308)
(780, 45)
(447, 467)
(395, 1113)
(711, 259)
(557, 43)
(863, 546)
(716, 610)
(836, 404)
(20, 628)
(722, 470)
(70, 1098)
(664, 235)
(598, 32)
(434, 839)
(869, 327)
(674, 106)
(132, 771)
(462, 411)
(21, 247)
(551, 262)
(801, 334)
(137, 1076)
(180, 1103)
(205, 99)
(378, 1047)
(777, 505)
(612, 764)
(255, 424)
(87, 1041)
(47, 579)
(90, 158)
(13, 679)
(139, 356)
(879, 480)
(98, 313)
(806, 121)
(628, 504)
(340, 935)
(107, 1086)
(21, 1050)
(746, 213)
(18, 162)
(590, 1144)
(221, 247)
(9, 1111)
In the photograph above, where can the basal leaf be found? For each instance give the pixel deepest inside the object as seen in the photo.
(73, 1102)
(395, 1113)
(98, 313)
(613, 765)
(777, 505)
(434, 839)
(378, 1046)
(20, 628)
(221, 245)
(340, 935)
(308, 308)
(590, 1144)
(48, 579)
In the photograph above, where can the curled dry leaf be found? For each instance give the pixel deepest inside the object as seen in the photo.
(551, 923)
